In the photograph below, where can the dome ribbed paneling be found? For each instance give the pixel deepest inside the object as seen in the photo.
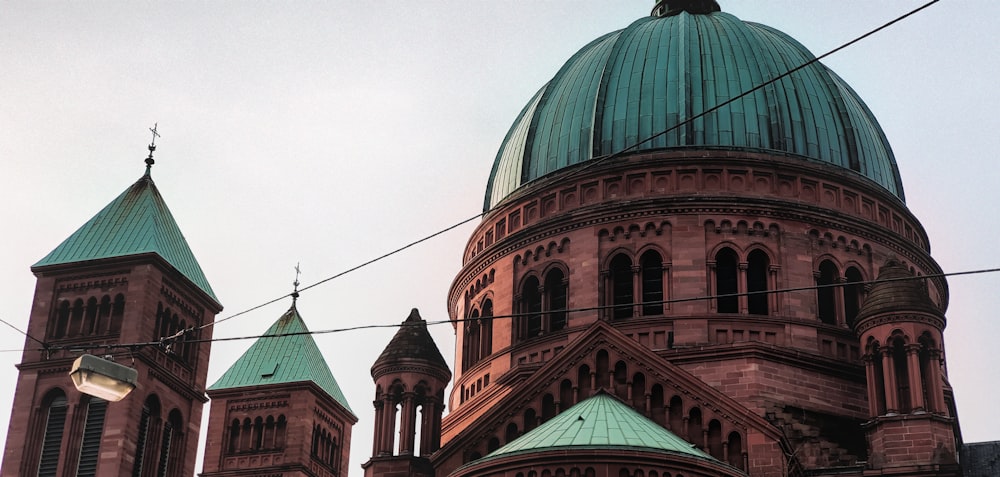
(631, 84)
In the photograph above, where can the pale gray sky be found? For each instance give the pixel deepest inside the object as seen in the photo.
(328, 133)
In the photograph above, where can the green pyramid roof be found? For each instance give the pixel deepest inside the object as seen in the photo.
(137, 221)
(291, 357)
(601, 421)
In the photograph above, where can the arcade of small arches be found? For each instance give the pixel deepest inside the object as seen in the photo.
(257, 434)
(637, 285)
(325, 447)
(87, 317)
(904, 374)
(397, 424)
(168, 324)
(703, 428)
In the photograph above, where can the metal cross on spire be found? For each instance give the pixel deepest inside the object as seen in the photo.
(152, 147)
(295, 292)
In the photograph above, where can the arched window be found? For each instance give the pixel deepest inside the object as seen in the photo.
(548, 407)
(492, 445)
(715, 439)
(511, 433)
(530, 419)
(726, 281)
(875, 355)
(827, 295)
(148, 417)
(901, 374)
(734, 450)
(582, 384)
(531, 305)
(555, 288)
(675, 421)
(93, 429)
(90, 317)
(62, 320)
(639, 392)
(54, 414)
(486, 330)
(758, 266)
(279, 432)
(170, 444)
(853, 291)
(694, 432)
(565, 395)
(622, 290)
(651, 267)
(471, 345)
(234, 436)
(117, 313)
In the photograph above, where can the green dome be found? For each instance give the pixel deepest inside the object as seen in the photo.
(631, 84)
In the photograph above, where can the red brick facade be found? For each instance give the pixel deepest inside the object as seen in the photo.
(155, 428)
(779, 378)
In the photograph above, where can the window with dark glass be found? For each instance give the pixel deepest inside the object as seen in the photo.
(555, 287)
(726, 280)
(757, 271)
(826, 294)
(853, 291)
(651, 264)
(622, 290)
(531, 306)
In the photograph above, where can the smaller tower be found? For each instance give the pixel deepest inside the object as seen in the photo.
(410, 376)
(911, 431)
(278, 410)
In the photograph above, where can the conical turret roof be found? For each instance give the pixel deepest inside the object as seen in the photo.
(136, 222)
(286, 353)
(411, 343)
(897, 290)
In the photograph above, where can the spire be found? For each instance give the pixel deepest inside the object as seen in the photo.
(295, 291)
(152, 147)
(136, 222)
(285, 354)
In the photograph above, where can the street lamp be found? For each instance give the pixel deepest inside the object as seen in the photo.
(103, 378)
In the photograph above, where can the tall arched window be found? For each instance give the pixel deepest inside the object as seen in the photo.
(651, 265)
(486, 330)
(55, 422)
(531, 305)
(826, 295)
(853, 291)
(234, 436)
(144, 449)
(726, 281)
(734, 451)
(622, 290)
(555, 288)
(93, 429)
(471, 345)
(901, 374)
(758, 265)
(169, 444)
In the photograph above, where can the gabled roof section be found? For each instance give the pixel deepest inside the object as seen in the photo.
(136, 222)
(601, 421)
(518, 393)
(286, 353)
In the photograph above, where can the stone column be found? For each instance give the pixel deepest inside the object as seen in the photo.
(916, 383)
(636, 290)
(872, 383)
(376, 442)
(741, 287)
(408, 424)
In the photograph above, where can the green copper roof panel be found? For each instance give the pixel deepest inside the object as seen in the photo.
(286, 353)
(601, 421)
(631, 84)
(137, 221)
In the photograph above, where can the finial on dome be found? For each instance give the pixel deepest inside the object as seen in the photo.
(669, 8)
(152, 147)
(295, 291)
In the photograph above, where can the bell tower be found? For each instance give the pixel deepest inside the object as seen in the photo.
(126, 276)
(912, 431)
(410, 376)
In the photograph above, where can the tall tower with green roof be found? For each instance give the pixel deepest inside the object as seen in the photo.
(278, 410)
(126, 276)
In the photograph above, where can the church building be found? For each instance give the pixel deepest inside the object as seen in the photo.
(695, 259)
